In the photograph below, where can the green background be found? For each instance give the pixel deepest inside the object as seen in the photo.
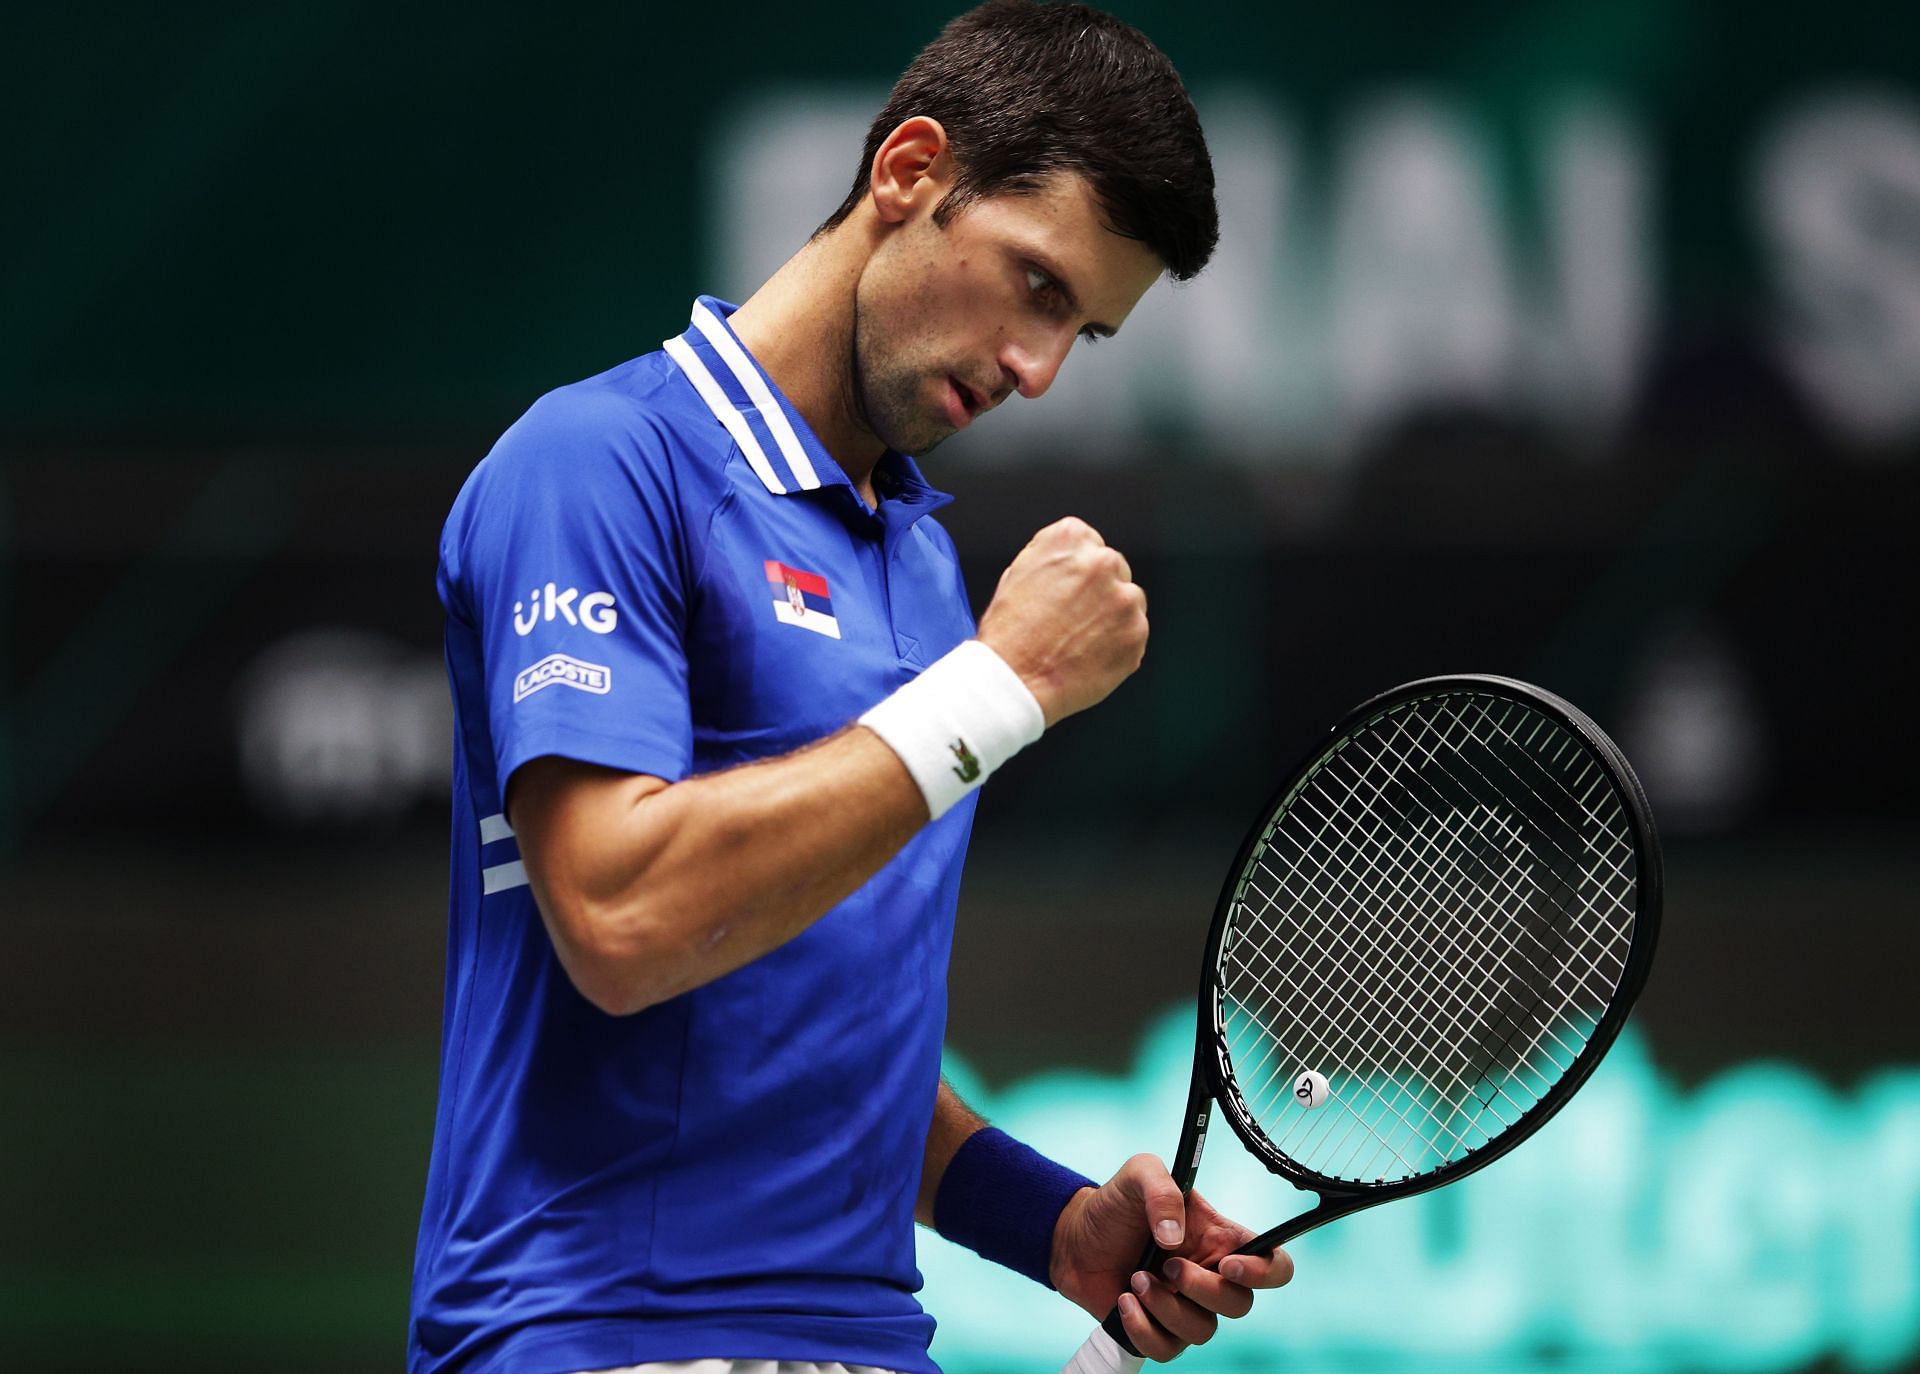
(274, 277)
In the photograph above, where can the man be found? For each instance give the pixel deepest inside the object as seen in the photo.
(721, 712)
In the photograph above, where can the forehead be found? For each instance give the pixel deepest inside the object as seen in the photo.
(1060, 221)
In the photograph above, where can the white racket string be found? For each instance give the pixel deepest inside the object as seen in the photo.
(1435, 920)
(1453, 942)
(1381, 1014)
(1387, 1015)
(1399, 881)
(1334, 1054)
(1606, 980)
(1462, 1015)
(1612, 826)
(1384, 1015)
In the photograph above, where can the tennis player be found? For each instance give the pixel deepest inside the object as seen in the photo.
(722, 715)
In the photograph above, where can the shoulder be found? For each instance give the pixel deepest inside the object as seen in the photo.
(637, 426)
(619, 419)
(619, 453)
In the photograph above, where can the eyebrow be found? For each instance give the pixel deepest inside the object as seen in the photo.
(1047, 265)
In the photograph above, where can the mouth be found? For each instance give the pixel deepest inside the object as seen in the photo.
(963, 402)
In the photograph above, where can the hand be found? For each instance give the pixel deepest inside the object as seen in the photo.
(1102, 1233)
(1068, 617)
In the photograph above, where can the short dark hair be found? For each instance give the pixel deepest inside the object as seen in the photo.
(1029, 90)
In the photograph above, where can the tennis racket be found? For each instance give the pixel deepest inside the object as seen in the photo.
(1423, 948)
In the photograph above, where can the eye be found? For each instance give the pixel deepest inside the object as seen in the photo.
(1054, 298)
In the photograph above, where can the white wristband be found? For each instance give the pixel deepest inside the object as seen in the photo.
(957, 722)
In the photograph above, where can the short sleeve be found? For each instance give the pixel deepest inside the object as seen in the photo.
(566, 553)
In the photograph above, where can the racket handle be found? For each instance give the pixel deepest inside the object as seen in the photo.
(1111, 1342)
(1102, 1354)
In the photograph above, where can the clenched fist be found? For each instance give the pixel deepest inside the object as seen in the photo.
(1068, 618)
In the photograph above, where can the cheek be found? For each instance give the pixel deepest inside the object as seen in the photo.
(945, 288)
(944, 305)
(972, 307)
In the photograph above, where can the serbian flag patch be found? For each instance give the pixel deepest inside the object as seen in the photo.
(800, 598)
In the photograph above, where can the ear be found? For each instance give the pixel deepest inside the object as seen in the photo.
(911, 171)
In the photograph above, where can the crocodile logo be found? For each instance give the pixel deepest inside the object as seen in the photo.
(968, 768)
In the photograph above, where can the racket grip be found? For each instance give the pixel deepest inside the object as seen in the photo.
(1109, 1350)
(1101, 1353)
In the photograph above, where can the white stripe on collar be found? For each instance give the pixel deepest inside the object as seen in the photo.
(724, 411)
(749, 377)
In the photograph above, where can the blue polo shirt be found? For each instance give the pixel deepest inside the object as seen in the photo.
(659, 569)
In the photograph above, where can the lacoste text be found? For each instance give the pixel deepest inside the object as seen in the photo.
(561, 670)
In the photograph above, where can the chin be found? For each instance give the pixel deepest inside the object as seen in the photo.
(911, 439)
(929, 444)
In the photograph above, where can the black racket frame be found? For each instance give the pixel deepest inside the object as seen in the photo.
(1212, 1083)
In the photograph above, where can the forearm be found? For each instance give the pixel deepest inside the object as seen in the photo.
(982, 1189)
(953, 1122)
(658, 889)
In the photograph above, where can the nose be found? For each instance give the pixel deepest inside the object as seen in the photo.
(1033, 361)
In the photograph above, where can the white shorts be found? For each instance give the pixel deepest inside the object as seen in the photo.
(740, 1367)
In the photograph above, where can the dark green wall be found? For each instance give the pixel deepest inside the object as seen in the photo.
(357, 216)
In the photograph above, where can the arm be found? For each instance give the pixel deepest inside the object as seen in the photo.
(1095, 1238)
(649, 889)
(953, 1122)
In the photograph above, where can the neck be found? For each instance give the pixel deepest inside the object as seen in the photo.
(799, 327)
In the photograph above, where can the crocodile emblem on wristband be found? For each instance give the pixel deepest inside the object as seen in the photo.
(969, 766)
(956, 722)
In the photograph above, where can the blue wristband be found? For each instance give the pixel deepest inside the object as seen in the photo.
(1000, 1199)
